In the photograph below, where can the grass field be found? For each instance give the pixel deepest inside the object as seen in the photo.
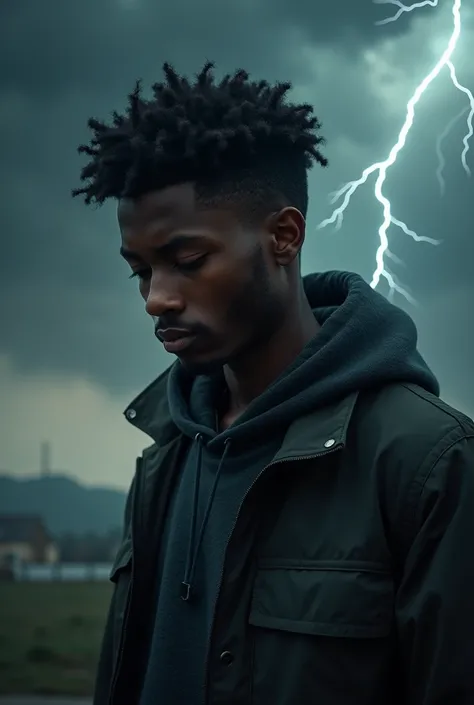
(50, 636)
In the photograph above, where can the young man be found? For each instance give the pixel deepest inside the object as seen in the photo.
(300, 531)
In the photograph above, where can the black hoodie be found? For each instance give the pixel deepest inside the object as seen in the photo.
(364, 342)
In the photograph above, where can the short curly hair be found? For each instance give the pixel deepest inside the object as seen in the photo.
(235, 138)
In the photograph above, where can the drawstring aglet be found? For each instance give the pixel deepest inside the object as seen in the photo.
(185, 591)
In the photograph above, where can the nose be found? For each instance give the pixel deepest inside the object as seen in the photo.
(162, 298)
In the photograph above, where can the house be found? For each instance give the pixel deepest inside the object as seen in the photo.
(25, 538)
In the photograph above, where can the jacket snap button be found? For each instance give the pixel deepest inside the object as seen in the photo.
(226, 657)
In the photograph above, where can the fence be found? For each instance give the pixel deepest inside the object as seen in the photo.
(66, 572)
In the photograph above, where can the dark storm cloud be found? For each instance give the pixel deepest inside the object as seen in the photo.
(51, 46)
(65, 302)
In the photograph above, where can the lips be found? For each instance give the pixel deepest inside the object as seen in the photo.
(170, 335)
(174, 339)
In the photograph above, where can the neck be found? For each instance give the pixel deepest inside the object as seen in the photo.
(251, 374)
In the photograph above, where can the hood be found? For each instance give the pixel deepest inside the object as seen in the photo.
(364, 342)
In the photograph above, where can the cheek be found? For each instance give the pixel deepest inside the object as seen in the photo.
(256, 308)
(244, 304)
(215, 300)
(229, 294)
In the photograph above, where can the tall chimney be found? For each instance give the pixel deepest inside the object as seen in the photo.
(45, 459)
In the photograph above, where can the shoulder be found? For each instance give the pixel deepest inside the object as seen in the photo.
(404, 434)
(405, 417)
(420, 449)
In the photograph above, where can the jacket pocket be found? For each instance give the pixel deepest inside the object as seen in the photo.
(323, 621)
(331, 599)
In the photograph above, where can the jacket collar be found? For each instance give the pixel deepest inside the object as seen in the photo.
(311, 435)
(149, 411)
(318, 432)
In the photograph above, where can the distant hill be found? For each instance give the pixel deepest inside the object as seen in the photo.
(64, 504)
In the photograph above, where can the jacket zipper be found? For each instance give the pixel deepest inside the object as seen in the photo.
(322, 453)
(118, 660)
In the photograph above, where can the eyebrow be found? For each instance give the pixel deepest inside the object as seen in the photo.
(174, 245)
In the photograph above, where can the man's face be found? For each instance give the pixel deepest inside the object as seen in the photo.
(211, 284)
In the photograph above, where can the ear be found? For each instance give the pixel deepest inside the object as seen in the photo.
(287, 232)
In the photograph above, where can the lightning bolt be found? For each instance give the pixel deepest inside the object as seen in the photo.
(402, 8)
(470, 129)
(382, 168)
(439, 153)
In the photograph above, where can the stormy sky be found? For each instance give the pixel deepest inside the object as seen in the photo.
(76, 345)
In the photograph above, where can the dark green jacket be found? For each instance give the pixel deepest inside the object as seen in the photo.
(361, 591)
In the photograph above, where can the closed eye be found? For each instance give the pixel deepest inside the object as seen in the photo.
(191, 265)
(140, 274)
(187, 265)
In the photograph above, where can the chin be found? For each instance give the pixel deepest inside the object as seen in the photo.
(202, 365)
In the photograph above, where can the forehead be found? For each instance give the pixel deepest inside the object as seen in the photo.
(162, 217)
(159, 209)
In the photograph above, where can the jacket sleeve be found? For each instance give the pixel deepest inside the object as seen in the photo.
(106, 664)
(435, 599)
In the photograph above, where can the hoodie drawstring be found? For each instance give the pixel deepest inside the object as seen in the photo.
(194, 547)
